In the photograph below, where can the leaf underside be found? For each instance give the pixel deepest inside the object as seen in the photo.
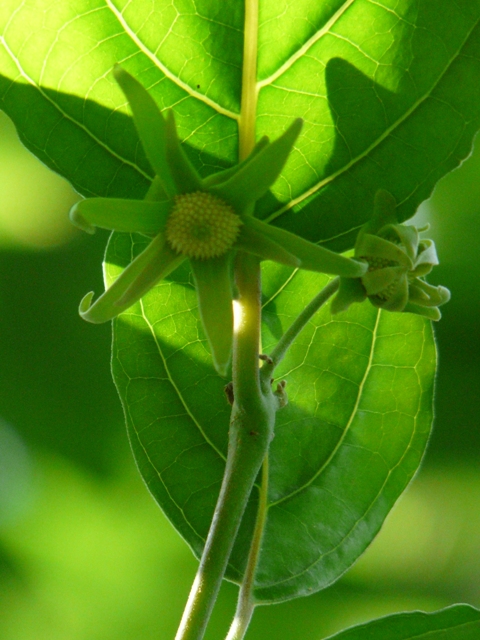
(459, 622)
(347, 444)
(390, 97)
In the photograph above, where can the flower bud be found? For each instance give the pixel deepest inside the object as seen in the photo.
(397, 261)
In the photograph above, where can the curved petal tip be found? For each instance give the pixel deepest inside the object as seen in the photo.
(444, 294)
(85, 304)
(78, 220)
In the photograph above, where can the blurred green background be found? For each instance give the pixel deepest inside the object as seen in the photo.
(84, 551)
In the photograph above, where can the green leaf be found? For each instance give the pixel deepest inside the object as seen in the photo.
(360, 390)
(390, 96)
(56, 83)
(459, 622)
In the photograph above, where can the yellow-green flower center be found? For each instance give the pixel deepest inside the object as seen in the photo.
(202, 226)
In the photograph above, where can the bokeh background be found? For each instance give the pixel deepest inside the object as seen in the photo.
(84, 552)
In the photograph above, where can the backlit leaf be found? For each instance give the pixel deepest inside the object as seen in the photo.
(389, 94)
(360, 390)
(460, 622)
(390, 98)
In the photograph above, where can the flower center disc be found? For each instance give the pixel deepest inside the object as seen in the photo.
(202, 226)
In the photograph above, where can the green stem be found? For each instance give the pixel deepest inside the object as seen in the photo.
(251, 429)
(249, 80)
(253, 413)
(285, 342)
(246, 603)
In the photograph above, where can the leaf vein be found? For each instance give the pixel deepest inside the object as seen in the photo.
(306, 46)
(374, 500)
(177, 390)
(409, 112)
(68, 117)
(165, 70)
(158, 473)
(347, 426)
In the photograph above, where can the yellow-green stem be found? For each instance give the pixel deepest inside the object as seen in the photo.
(286, 341)
(249, 80)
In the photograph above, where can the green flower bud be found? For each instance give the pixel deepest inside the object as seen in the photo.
(397, 261)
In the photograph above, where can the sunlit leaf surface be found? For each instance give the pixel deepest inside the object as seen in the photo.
(388, 91)
(455, 623)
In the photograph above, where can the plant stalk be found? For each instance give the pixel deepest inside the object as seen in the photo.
(251, 430)
(285, 342)
(253, 412)
(246, 603)
(249, 80)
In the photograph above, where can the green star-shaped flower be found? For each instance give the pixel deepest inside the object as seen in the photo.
(397, 263)
(204, 221)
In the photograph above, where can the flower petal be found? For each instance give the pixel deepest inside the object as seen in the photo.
(372, 246)
(375, 282)
(226, 174)
(432, 313)
(384, 211)
(253, 179)
(156, 192)
(132, 216)
(214, 291)
(426, 258)
(157, 260)
(399, 298)
(311, 256)
(252, 241)
(427, 295)
(351, 290)
(405, 235)
(161, 264)
(184, 175)
(150, 125)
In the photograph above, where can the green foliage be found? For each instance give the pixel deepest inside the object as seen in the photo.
(390, 98)
(455, 623)
(389, 95)
(360, 388)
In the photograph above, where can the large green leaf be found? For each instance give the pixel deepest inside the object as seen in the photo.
(389, 92)
(460, 622)
(390, 98)
(349, 441)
